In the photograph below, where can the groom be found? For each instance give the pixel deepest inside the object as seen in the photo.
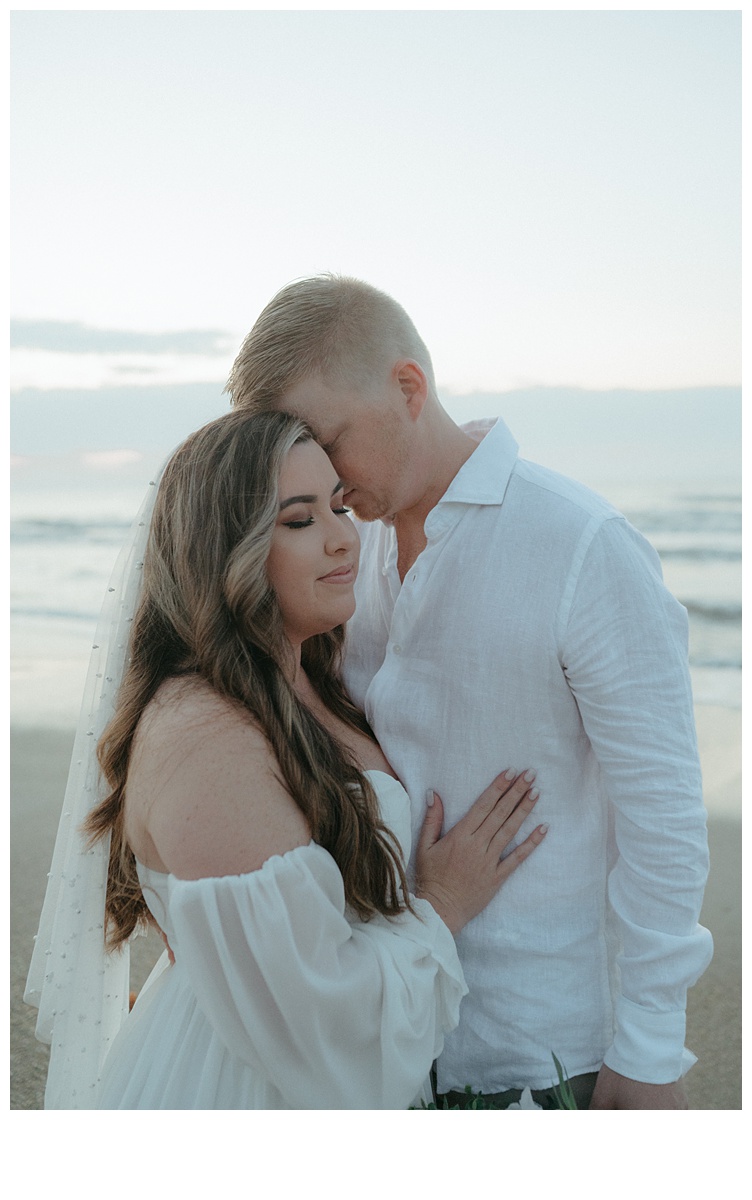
(507, 616)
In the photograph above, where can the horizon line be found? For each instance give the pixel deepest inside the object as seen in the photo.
(442, 389)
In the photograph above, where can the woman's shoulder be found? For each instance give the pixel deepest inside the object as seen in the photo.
(185, 703)
(187, 725)
(205, 787)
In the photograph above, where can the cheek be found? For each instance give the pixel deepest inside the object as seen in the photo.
(283, 569)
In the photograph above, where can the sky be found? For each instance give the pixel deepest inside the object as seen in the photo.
(554, 196)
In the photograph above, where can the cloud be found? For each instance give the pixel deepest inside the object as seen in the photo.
(110, 458)
(73, 337)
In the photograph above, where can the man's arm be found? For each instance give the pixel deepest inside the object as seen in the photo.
(623, 644)
(616, 1091)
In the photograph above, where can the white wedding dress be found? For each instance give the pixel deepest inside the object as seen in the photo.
(280, 998)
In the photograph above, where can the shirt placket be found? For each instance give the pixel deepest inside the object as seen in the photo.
(409, 595)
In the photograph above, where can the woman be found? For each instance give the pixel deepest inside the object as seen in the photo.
(251, 814)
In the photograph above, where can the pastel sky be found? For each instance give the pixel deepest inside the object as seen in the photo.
(553, 195)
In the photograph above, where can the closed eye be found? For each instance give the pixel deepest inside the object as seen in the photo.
(298, 524)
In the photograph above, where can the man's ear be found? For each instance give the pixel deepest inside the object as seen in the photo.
(413, 384)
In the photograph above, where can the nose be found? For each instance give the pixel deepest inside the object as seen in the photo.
(342, 535)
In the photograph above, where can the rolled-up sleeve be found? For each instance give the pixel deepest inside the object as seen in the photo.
(623, 647)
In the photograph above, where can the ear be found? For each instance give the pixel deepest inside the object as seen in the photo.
(413, 384)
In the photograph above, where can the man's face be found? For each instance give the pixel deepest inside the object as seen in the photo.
(365, 436)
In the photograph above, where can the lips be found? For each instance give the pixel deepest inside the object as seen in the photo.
(341, 575)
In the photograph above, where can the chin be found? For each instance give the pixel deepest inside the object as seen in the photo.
(333, 622)
(374, 512)
(346, 614)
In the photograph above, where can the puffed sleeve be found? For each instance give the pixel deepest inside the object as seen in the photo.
(335, 1013)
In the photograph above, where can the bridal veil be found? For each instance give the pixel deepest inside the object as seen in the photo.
(80, 988)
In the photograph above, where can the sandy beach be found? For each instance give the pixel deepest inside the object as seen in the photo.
(39, 765)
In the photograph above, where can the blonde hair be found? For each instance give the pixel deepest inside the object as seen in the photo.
(207, 610)
(330, 325)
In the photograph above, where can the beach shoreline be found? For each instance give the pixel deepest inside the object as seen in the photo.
(39, 766)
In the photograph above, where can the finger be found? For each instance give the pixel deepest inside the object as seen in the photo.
(509, 865)
(432, 823)
(509, 793)
(505, 785)
(503, 828)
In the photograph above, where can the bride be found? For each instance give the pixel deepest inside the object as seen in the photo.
(246, 809)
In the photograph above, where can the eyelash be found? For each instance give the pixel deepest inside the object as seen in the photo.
(342, 512)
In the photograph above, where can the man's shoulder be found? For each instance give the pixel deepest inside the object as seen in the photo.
(545, 489)
(553, 496)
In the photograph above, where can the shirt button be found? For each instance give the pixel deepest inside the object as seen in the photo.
(397, 649)
(383, 570)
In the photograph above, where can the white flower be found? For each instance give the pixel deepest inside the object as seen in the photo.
(525, 1101)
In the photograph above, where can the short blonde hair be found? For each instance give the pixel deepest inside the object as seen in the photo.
(330, 325)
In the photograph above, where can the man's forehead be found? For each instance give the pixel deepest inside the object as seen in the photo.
(325, 407)
(320, 422)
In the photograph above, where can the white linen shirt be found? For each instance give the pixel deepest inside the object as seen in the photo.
(534, 630)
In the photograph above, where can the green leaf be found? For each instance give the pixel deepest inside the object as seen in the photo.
(562, 1092)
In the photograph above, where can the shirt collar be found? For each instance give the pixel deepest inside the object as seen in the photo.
(484, 477)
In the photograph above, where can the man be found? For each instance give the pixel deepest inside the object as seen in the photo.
(507, 616)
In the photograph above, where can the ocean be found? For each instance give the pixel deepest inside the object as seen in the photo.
(66, 533)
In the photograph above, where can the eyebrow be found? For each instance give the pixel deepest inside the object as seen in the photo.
(309, 499)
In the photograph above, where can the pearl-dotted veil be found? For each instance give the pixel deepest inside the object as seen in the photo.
(80, 988)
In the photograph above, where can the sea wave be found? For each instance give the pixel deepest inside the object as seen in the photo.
(701, 553)
(682, 520)
(54, 614)
(712, 498)
(724, 664)
(46, 530)
(713, 611)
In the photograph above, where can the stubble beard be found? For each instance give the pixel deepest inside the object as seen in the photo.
(375, 509)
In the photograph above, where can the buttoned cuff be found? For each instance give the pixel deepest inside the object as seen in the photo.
(649, 1046)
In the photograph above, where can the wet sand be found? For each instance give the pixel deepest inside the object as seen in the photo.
(39, 766)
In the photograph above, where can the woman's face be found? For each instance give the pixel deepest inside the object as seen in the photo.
(315, 549)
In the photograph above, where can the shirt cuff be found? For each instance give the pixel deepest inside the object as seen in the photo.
(649, 1046)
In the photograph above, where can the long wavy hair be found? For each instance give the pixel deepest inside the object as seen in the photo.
(207, 610)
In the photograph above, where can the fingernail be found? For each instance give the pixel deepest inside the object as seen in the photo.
(543, 828)
(510, 775)
(430, 797)
(534, 794)
(529, 776)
